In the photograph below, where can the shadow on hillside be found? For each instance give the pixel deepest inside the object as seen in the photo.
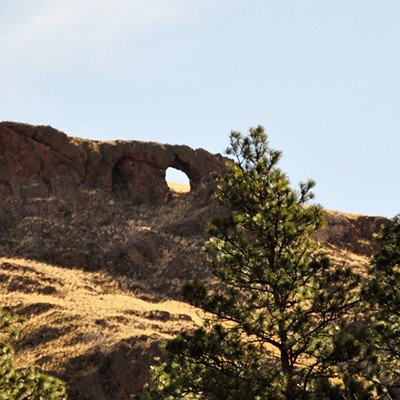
(111, 374)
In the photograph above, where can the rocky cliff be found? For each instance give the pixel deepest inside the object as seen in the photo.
(102, 205)
(42, 162)
(106, 205)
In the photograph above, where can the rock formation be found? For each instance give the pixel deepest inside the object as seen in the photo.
(95, 205)
(42, 162)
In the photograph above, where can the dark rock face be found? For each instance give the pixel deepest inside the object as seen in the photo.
(41, 162)
(354, 233)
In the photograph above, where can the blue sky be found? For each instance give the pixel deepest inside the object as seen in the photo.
(322, 76)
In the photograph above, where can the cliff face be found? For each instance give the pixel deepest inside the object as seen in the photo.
(96, 205)
(42, 162)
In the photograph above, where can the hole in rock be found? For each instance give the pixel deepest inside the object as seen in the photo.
(177, 181)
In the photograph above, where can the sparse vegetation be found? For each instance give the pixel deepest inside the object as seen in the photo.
(27, 383)
(98, 297)
(77, 322)
(285, 324)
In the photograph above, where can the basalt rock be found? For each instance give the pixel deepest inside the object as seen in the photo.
(42, 162)
(354, 233)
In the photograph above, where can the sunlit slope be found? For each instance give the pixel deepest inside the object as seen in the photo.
(72, 314)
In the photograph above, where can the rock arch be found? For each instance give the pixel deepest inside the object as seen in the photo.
(138, 181)
(67, 169)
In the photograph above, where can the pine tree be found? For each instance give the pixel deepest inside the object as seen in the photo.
(280, 326)
(384, 296)
(24, 384)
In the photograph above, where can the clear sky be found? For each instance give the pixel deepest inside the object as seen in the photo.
(322, 76)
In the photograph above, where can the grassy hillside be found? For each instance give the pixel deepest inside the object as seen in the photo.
(80, 322)
(87, 329)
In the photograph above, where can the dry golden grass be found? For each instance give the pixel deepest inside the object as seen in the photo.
(344, 257)
(178, 188)
(350, 216)
(71, 313)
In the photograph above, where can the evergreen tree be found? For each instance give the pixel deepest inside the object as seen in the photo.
(25, 384)
(280, 326)
(384, 296)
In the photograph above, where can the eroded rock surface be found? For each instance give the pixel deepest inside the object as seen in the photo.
(104, 205)
(41, 162)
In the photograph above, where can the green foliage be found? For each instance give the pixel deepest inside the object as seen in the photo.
(384, 295)
(27, 383)
(283, 324)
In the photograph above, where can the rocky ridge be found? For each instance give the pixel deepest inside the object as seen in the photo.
(42, 162)
(103, 212)
(101, 205)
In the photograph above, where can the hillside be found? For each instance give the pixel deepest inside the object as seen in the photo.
(82, 327)
(95, 247)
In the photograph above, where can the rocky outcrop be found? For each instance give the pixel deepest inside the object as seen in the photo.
(106, 205)
(42, 162)
(351, 232)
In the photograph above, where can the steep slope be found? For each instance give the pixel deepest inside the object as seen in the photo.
(85, 329)
(96, 205)
(96, 246)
